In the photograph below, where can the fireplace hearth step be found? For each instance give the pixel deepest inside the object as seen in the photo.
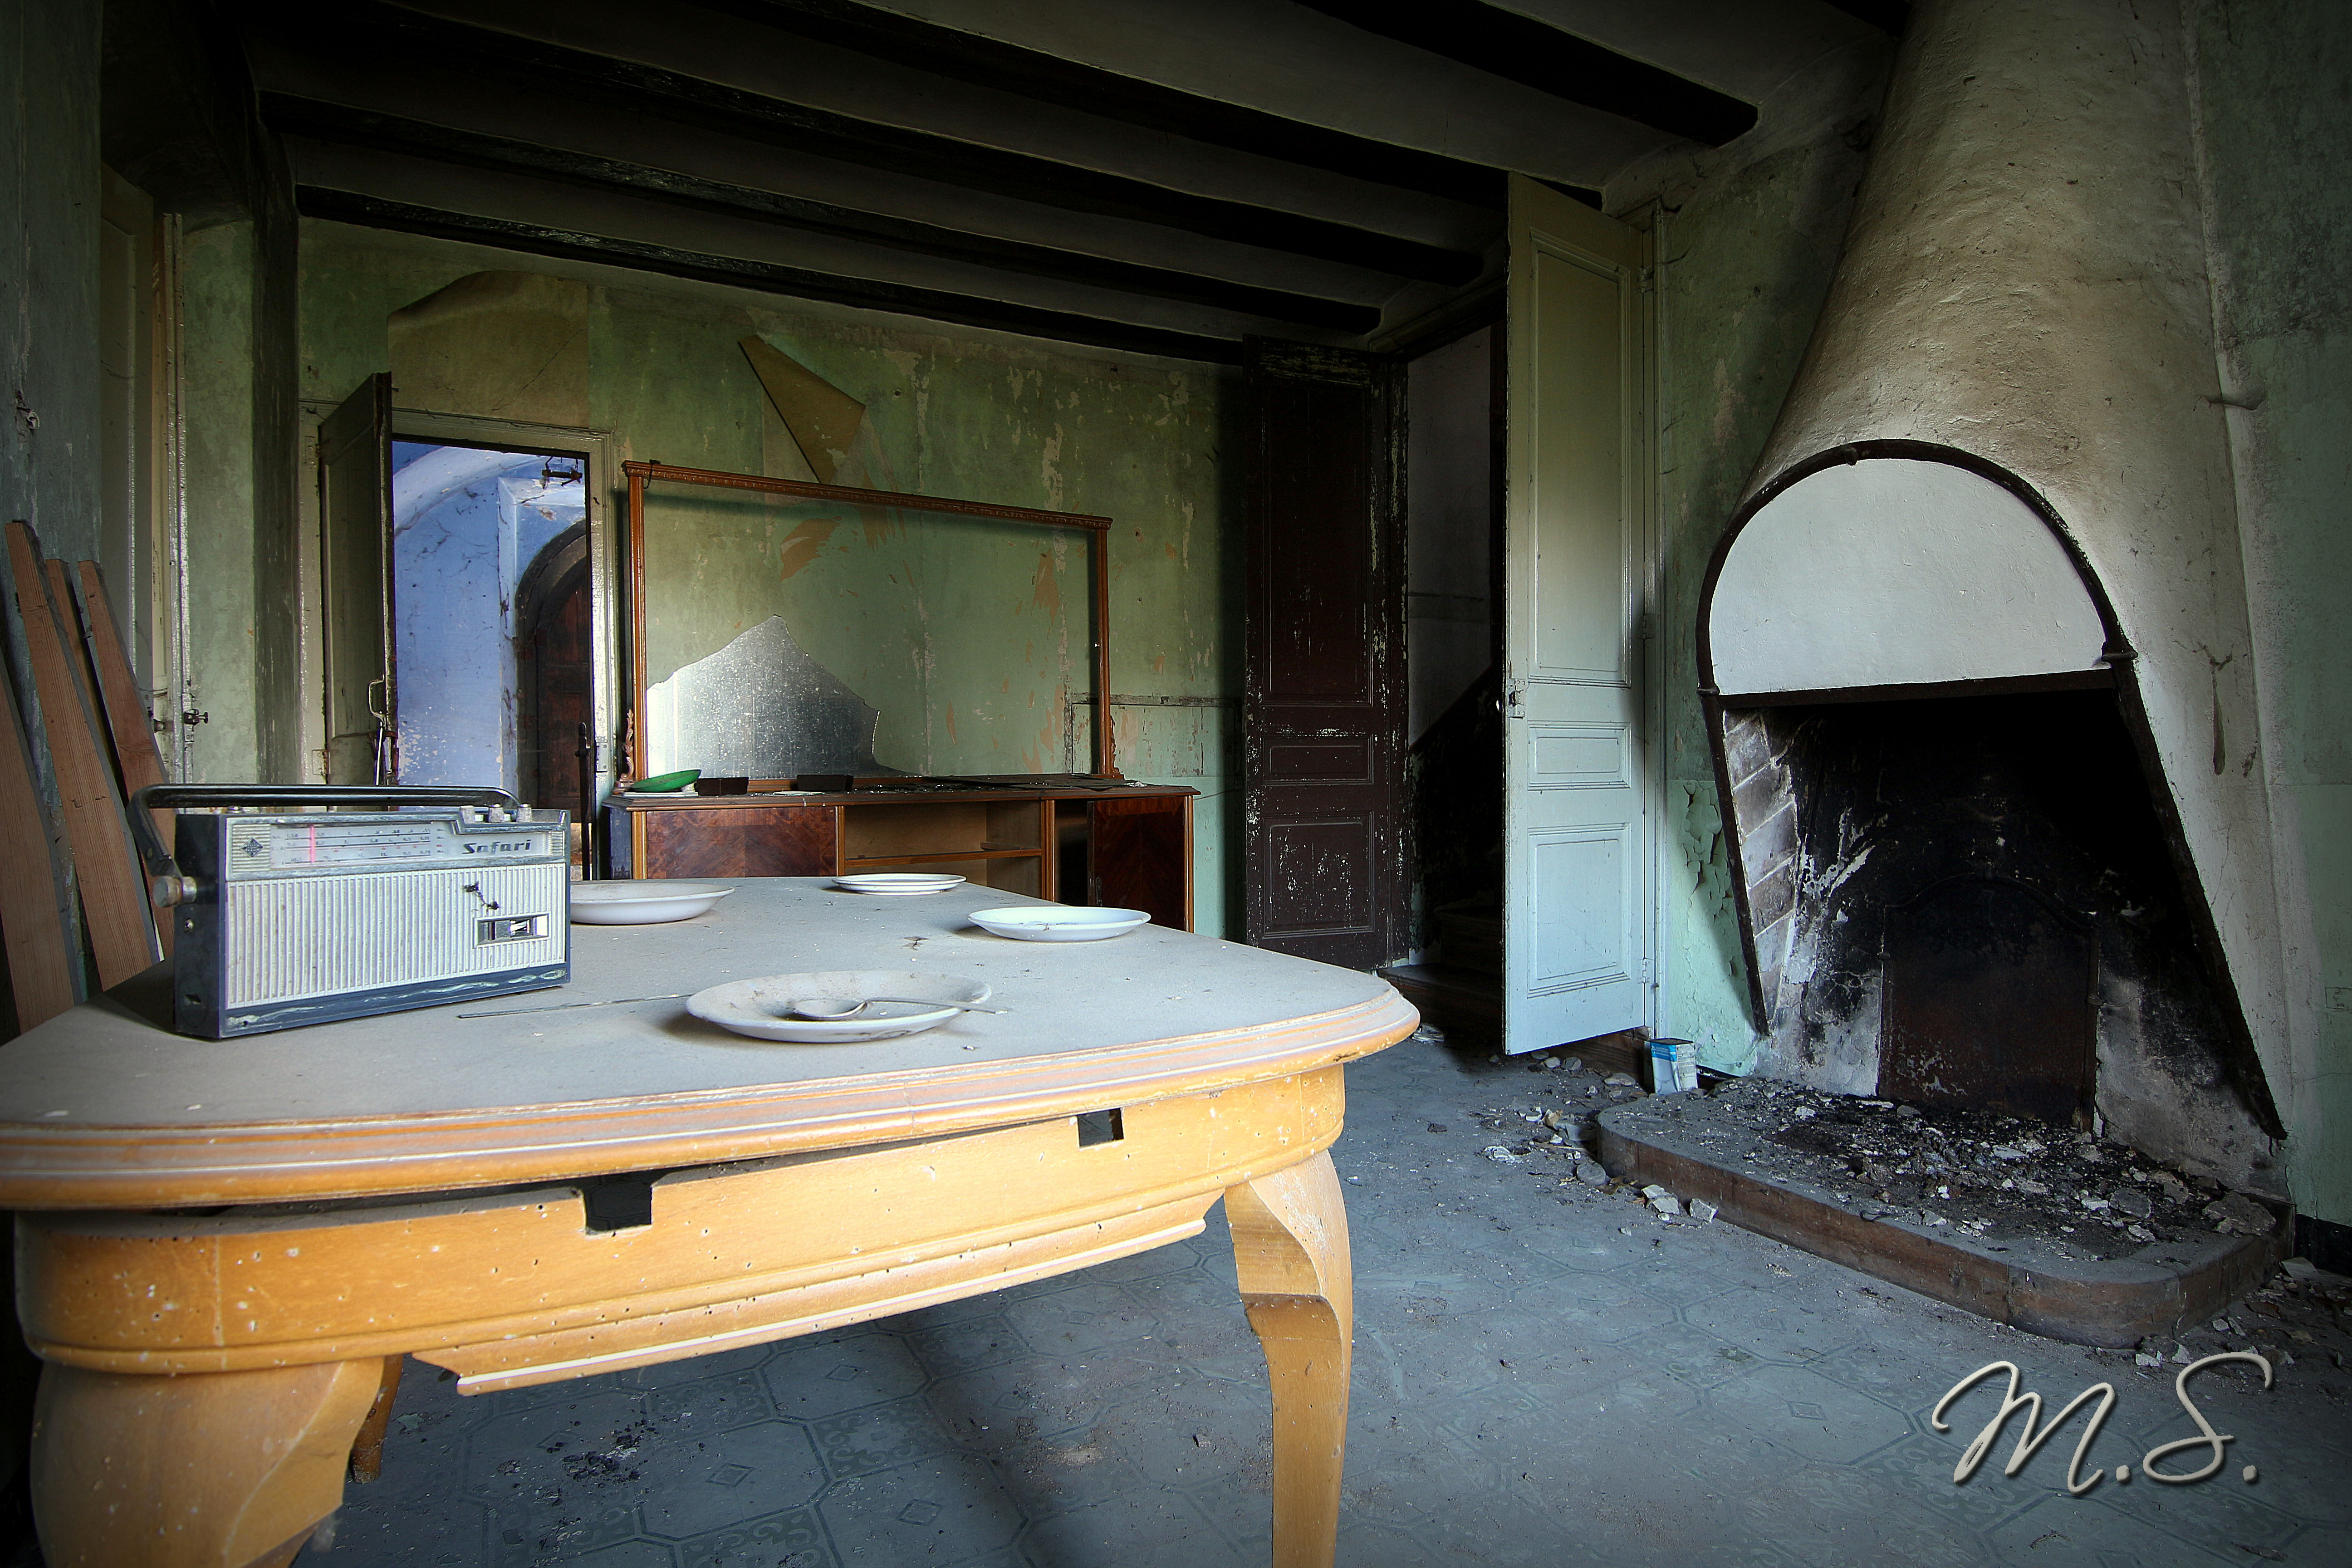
(2115, 1302)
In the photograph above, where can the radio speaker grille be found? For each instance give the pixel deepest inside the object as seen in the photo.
(293, 937)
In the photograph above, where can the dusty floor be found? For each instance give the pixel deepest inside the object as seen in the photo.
(1546, 1372)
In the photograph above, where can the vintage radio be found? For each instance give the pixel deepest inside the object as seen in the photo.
(304, 917)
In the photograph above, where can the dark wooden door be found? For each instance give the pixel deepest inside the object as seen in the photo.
(1323, 705)
(554, 661)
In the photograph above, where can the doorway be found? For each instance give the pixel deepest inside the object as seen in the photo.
(490, 595)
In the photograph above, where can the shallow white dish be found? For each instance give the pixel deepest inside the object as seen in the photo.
(643, 902)
(903, 883)
(1034, 922)
(760, 1008)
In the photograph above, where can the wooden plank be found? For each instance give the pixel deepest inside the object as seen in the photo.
(137, 763)
(40, 962)
(113, 892)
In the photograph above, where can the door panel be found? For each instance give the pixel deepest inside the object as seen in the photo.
(354, 560)
(1576, 831)
(1142, 855)
(1324, 693)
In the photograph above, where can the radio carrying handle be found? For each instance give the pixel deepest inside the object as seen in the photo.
(165, 879)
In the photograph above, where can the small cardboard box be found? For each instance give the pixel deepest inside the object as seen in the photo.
(1674, 1066)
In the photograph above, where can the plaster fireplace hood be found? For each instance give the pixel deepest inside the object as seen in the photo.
(1974, 651)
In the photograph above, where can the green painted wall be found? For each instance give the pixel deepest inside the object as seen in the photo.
(48, 272)
(968, 637)
(218, 331)
(243, 588)
(2274, 76)
(1747, 258)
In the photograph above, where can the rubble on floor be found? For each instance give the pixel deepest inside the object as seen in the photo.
(2299, 1314)
(1999, 1178)
(1982, 1174)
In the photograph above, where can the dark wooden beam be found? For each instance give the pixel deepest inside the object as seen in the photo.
(351, 127)
(1535, 53)
(1889, 17)
(768, 278)
(1009, 67)
(634, 87)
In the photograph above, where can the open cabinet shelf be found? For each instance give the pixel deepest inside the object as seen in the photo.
(1126, 846)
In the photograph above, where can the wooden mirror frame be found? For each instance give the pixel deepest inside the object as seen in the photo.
(640, 475)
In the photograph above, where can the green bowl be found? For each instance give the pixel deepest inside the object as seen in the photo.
(666, 784)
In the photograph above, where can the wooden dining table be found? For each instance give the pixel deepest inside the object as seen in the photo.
(225, 1248)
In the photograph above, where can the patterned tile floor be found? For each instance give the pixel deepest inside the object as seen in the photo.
(1544, 1375)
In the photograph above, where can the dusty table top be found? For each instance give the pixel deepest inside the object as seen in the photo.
(105, 1106)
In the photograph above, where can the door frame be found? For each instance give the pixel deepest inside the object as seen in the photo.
(603, 555)
(1657, 590)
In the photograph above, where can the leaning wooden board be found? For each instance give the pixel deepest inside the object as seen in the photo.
(41, 966)
(113, 892)
(787, 1189)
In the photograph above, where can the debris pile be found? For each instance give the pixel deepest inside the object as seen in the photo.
(2301, 1314)
(1980, 1173)
(1553, 1137)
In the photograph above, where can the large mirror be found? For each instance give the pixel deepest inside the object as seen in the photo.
(781, 627)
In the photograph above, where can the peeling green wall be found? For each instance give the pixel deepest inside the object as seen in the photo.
(969, 637)
(2276, 81)
(1747, 256)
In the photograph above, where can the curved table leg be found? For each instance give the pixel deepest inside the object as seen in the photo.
(1290, 1242)
(228, 1469)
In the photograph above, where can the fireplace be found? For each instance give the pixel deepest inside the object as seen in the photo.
(1957, 876)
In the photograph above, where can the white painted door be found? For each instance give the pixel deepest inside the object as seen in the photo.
(1575, 831)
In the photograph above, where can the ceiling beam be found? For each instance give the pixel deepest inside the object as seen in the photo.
(1009, 67)
(346, 126)
(1534, 54)
(765, 277)
(1889, 17)
(631, 86)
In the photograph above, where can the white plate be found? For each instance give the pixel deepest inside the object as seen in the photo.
(759, 1008)
(903, 883)
(643, 902)
(1034, 922)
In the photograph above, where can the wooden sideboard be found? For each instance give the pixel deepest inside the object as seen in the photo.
(1126, 846)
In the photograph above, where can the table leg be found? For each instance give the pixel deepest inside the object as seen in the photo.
(1290, 1244)
(229, 1469)
(367, 1448)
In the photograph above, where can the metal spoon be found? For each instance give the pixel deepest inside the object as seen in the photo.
(838, 1008)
